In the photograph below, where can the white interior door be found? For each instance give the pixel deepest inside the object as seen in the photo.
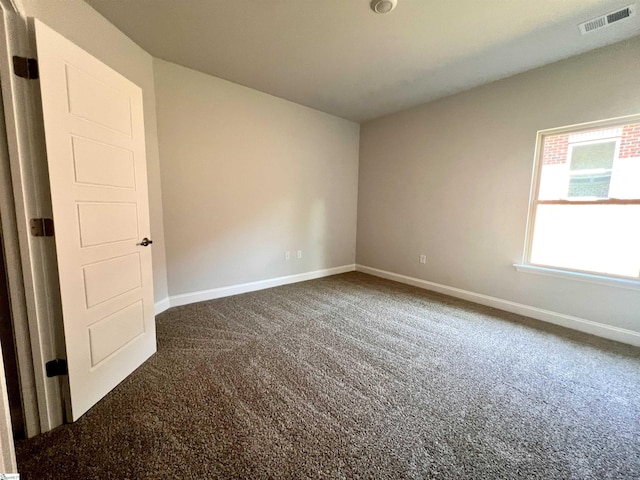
(94, 131)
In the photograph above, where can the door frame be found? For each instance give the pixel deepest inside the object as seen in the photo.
(31, 261)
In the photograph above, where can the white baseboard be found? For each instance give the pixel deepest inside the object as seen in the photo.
(203, 295)
(161, 306)
(588, 326)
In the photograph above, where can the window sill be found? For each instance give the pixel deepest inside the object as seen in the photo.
(579, 276)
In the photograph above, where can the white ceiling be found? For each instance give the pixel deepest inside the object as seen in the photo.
(339, 57)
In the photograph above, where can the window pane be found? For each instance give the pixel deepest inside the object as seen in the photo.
(593, 156)
(592, 185)
(595, 238)
(598, 163)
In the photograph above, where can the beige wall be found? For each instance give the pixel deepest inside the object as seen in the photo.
(82, 25)
(247, 176)
(451, 179)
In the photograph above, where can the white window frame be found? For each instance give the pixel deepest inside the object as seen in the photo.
(561, 272)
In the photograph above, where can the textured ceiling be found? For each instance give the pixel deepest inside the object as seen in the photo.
(339, 57)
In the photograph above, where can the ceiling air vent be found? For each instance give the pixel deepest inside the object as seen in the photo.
(608, 19)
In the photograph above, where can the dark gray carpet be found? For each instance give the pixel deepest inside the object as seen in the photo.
(357, 377)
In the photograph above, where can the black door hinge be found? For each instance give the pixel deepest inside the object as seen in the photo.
(25, 67)
(56, 367)
(41, 227)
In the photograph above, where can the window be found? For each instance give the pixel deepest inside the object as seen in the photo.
(585, 208)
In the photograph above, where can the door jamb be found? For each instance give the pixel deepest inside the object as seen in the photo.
(35, 295)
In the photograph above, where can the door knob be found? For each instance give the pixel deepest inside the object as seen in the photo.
(145, 242)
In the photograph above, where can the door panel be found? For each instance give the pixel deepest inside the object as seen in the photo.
(95, 101)
(111, 333)
(99, 286)
(101, 224)
(94, 133)
(101, 164)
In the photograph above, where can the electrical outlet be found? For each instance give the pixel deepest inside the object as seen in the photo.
(299, 254)
(423, 259)
(287, 255)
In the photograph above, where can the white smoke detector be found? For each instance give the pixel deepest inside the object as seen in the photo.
(383, 6)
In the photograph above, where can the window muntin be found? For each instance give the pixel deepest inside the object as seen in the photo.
(585, 212)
